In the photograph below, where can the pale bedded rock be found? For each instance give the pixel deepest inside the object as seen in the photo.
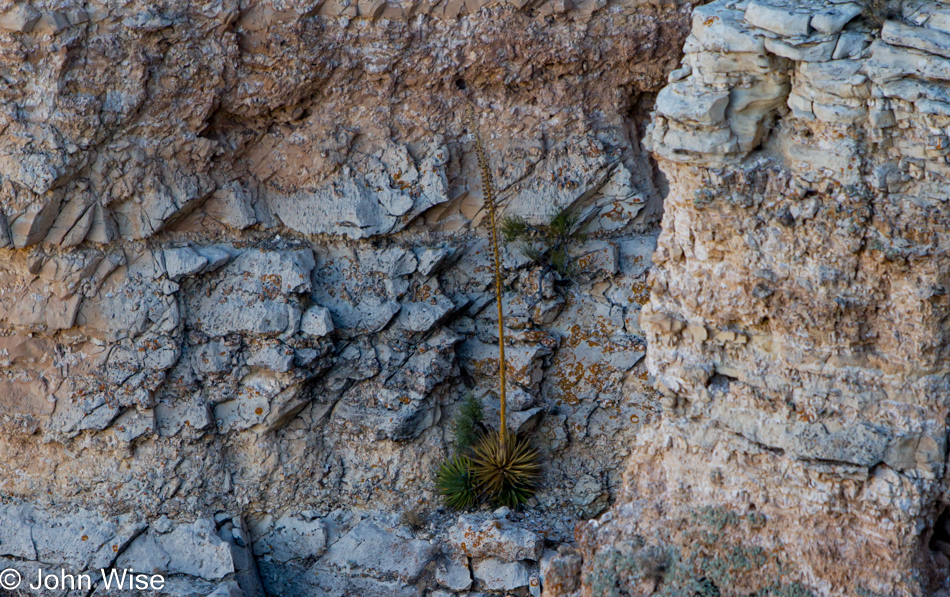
(781, 18)
(687, 105)
(182, 262)
(193, 549)
(20, 17)
(292, 538)
(499, 575)
(422, 316)
(452, 572)
(279, 131)
(493, 538)
(734, 316)
(371, 549)
(832, 19)
(316, 321)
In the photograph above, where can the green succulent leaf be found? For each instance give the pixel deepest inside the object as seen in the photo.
(506, 472)
(455, 483)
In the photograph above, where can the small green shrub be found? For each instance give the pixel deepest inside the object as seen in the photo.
(467, 423)
(547, 245)
(455, 483)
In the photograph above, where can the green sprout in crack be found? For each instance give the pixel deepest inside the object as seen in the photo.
(547, 245)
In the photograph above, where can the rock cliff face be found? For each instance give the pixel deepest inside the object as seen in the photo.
(244, 279)
(797, 322)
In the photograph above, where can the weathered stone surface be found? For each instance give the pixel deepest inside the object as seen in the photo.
(779, 18)
(195, 550)
(370, 548)
(20, 17)
(316, 321)
(498, 575)
(493, 538)
(753, 362)
(181, 185)
(833, 19)
(453, 573)
(292, 538)
(182, 262)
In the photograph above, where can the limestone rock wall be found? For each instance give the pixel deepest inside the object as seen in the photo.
(244, 278)
(797, 322)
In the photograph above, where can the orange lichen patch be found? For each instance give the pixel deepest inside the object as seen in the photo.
(641, 292)
(258, 411)
(271, 284)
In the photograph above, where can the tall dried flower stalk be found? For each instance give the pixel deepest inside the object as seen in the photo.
(488, 185)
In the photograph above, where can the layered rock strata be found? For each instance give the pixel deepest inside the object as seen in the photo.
(244, 279)
(797, 324)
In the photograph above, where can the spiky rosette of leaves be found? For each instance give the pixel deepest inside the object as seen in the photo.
(505, 469)
(455, 483)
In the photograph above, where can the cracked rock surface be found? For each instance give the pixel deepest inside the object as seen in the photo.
(797, 321)
(245, 282)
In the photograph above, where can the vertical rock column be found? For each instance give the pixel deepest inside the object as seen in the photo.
(797, 325)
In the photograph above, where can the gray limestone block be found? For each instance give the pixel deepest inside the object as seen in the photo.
(524, 420)
(316, 321)
(191, 412)
(21, 18)
(216, 256)
(82, 539)
(16, 531)
(833, 19)
(719, 30)
(183, 261)
(432, 260)
(850, 44)
(245, 314)
(276, 357)
(32, 226)
(919, 38)
(134, 423)
(392, 262)
(194, 549)
(292, 538)
(213, 357)
(818, 51)
(498, 575)
(251, 404)
(422, 316)
(452, 572)
(503, 540)
(686, 103)
(369, 549)
(777, 19)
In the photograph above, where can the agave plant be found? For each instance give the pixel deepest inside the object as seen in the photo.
(505, 469)
(501, 468)
(455, 483)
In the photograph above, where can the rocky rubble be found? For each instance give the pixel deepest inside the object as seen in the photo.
(245, 278)
(796, 324)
